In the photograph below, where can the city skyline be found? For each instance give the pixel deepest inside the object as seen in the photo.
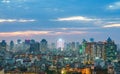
(71, 20)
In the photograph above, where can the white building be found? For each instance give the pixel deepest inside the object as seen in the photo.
(60, 44)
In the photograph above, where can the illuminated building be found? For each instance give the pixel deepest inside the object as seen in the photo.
(83, 46)
(89, 51)
(110, 50)
(2, 71)
(106, 51)
(99, 52)
(60, 44)
(93, 50)
(82, 51)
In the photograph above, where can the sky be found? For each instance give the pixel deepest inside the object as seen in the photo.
(71, 20)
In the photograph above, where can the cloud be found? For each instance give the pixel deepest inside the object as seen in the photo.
(8, 1)
(39, 33)
(23, 33)
(79, 29)
(114, 6)
(96, 23)
(70, 33)
(54, 9)
(75, 18)
(5, 1)
(111, 25)
(16, 20)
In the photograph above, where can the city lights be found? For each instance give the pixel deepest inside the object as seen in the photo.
(59, 37)
(60, 44)
(63, 57)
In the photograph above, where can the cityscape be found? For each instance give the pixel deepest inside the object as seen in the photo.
(59, 37)
(33, 57)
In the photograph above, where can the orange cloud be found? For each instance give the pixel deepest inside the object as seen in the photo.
(23, 33)
(33, 33)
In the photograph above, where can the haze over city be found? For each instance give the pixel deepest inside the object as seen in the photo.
(59, 37)
(72, 20)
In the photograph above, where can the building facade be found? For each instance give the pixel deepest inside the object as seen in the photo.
(110, 50)
(43, 45)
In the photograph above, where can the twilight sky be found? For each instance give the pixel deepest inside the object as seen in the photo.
(72, 20)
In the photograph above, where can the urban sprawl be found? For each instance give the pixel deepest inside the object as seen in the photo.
(33, 57)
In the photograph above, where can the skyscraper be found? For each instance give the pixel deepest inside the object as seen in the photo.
(11, 45)
(43, 45)
(3, 45)
(73, 46)
(53, 46)
(60, 44)
(34, 46)
(18, 41)
(111, 50)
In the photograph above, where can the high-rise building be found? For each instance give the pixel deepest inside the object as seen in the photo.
(18, 41)
(34, 46)
(110, 50)
(11, 45)
(83, 47)
(53, 46)
(89, 51)
(77, 46)
(83, 54)
(106, 51)
(99, 51)
(43, 45)
(27, 41)
(3, 45)
(93, 50)
(60, 44)
(73, 46)
(91, 39)
(67, 46)
(32, 41)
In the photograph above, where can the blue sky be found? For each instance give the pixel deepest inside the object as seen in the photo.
(72, 20)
